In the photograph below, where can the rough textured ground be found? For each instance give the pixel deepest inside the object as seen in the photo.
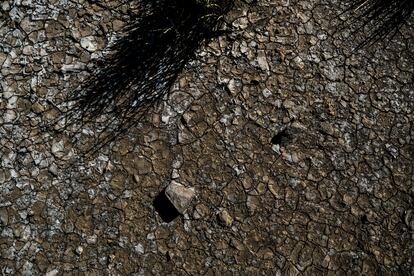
(306, 145)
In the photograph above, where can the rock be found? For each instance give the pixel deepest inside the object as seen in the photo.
(15, 14)
(5, 6)
(9, 116)
(139, 248)
(53, 169)
(266, 93)
(57, 149)
(144, 166)
(225, 218)
(252, 203)
(241, 23)
(92, 239)
(79, 250)
(117, 25)
(288, 104)
(4, 217)
(179, 195)
(232, 87)
(298, 63)
(200, 211)
(89, 43)
(262, 60)
(53, 272)
(75, 67)
(38, 108)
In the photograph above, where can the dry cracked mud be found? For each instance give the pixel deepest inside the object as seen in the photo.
(300, 149)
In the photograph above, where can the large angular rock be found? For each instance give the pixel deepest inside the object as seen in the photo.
(179, 195)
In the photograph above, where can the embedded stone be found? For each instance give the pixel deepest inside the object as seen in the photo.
(225, 218)
(89, 43)
(179, 195)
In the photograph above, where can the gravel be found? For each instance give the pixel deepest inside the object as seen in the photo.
(333, 195)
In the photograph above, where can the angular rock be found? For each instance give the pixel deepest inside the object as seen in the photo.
(225, 218)
(89, 43)
(262, 60)
(179, 195)
(57, 149)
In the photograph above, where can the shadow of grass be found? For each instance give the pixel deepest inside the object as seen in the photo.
(143, 65)
(377, 19)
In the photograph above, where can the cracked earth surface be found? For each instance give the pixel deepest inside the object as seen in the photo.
(300, 150)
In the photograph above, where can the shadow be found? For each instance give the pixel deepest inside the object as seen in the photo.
(142, 66)
(165, 208)
(281, 138)
(375, 20)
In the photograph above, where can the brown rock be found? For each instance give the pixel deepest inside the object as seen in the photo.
(179, 195)
(225, 218)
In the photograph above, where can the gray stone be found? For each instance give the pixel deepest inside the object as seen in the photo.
(262, 60)
(52, 272)
(79, 250)
(4, 216)
(179, 195)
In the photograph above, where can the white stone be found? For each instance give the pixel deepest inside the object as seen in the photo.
(79, 250)
(53, 272)
(266, 93)
(89, 43)
(262, 60)
(139, 248)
